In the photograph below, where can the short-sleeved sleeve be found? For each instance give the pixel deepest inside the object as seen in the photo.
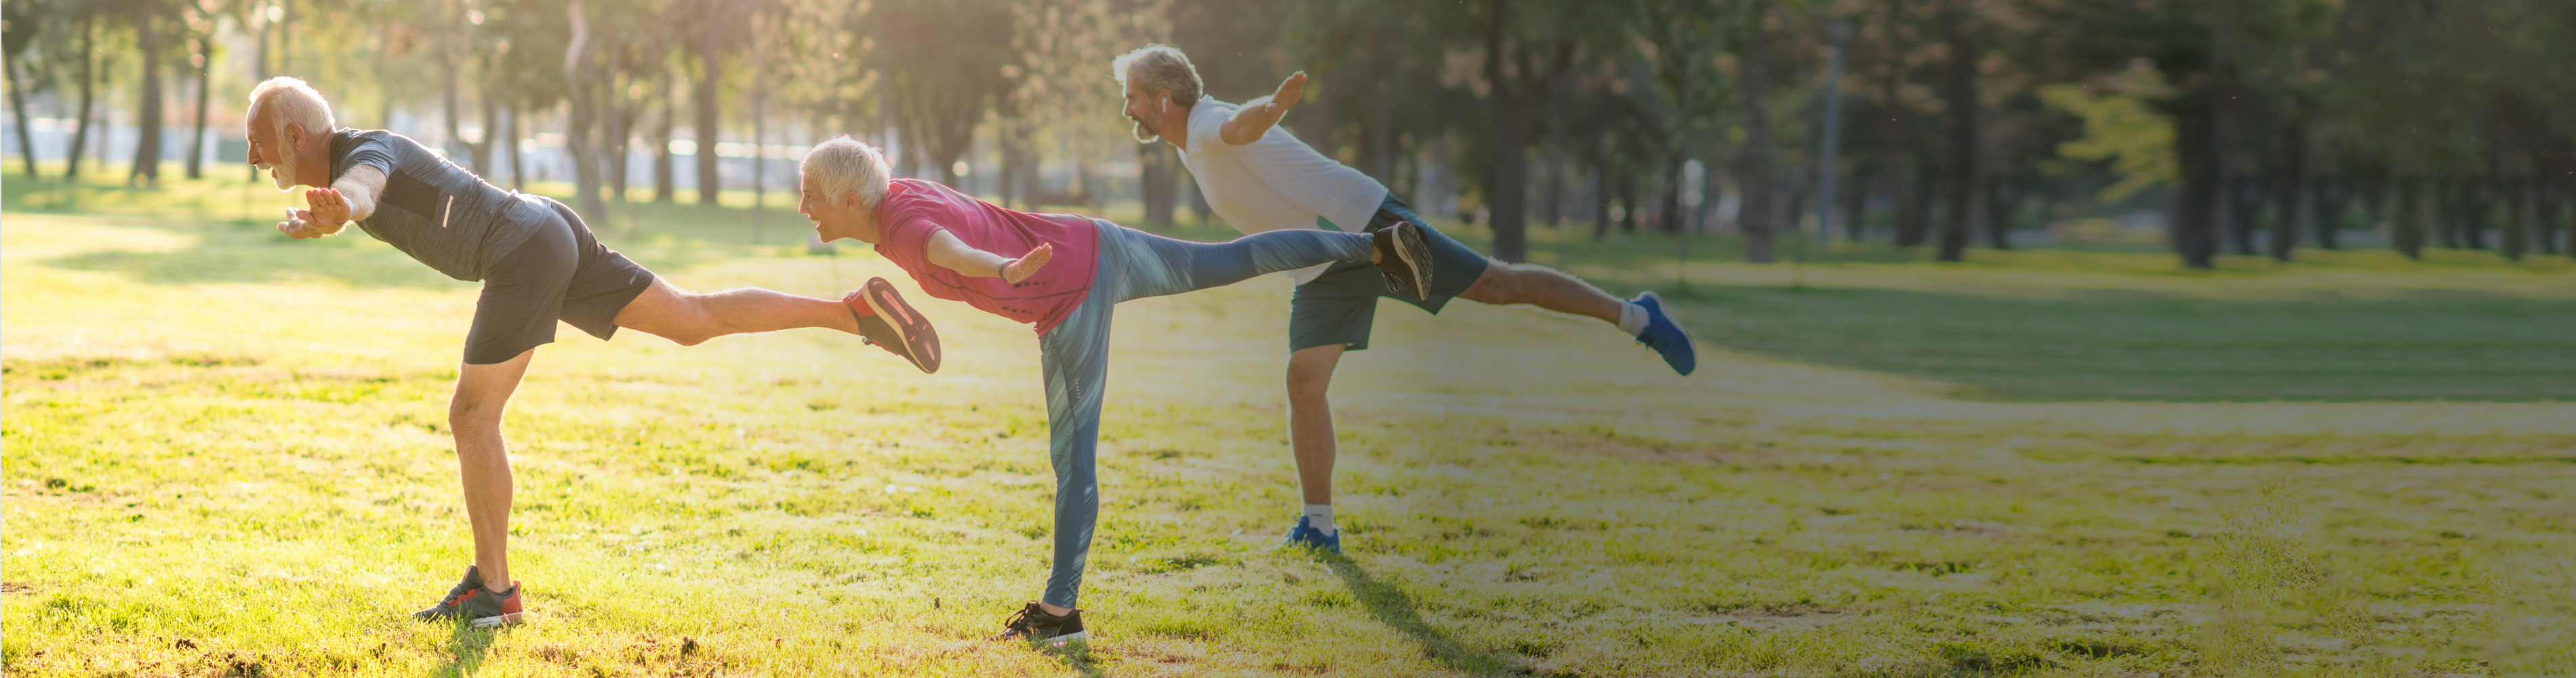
(367, 151)
(1207, 120)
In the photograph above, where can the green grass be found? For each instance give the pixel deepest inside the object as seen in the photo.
(226, 455)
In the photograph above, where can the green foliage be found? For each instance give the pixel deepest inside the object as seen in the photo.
(2122, 127)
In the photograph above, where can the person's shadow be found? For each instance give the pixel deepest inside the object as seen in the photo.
(1394, 609)
(465, 647)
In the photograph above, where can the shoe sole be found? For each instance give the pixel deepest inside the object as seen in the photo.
(496, 622)
(1416, 253)
(920, 341)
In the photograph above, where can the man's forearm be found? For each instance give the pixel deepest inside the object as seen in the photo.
(1250, 122)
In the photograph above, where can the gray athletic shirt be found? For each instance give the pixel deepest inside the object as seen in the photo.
(433, 210)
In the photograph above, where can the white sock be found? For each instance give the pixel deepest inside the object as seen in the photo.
(1320, 517)
(1632, 318)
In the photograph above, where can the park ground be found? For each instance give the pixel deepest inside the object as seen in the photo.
(226, 455)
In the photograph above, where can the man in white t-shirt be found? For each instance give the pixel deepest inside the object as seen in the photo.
(1261, 178)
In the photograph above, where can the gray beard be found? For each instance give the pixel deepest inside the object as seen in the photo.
(283, 173)
(1144, 133)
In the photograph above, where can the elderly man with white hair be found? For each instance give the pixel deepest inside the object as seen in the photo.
(538, 264)
(1260, 178)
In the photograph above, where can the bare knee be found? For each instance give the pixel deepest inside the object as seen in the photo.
(1501, 283)
(1310, 378)
(467, 414)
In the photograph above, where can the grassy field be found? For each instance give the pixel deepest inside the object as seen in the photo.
(227, 456)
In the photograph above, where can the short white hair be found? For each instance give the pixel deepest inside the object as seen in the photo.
(295, 102)
(1159, 67)
(845, 165)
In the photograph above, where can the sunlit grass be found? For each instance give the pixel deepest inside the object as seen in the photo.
(227, 455)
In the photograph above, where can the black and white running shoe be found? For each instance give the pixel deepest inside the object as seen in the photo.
(1033, 625)
(1404, 257)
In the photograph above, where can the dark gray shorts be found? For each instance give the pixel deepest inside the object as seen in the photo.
(560, 273)
(1340, 306)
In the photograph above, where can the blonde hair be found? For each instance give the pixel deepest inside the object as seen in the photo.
(844, 165)
(297, 103)
(1158, 67)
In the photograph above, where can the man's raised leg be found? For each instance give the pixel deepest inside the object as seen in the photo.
(1553, 290)
(690, 319)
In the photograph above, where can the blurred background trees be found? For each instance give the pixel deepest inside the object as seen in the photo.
(2210, 127)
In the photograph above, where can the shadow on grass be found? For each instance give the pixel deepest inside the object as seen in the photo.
(2126, 345)
(233, 253)
(1075, 655)
(1395, 609)
(466, 647)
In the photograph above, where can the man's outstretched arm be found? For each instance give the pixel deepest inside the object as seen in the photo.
(1259, 115)
(328, 210)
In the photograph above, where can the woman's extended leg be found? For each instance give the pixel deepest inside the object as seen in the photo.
(1158, 265)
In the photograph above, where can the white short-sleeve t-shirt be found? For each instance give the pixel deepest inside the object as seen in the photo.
(1276, 182)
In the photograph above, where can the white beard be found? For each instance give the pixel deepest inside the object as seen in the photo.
(283, 172)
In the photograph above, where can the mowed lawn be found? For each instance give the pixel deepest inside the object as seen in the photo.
(226, 454)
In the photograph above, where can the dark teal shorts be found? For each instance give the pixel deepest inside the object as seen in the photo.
(1340, 306)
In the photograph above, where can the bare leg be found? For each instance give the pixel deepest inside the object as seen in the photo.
(1310, 419)
(690, 319)
(483, 459)
(1542, 287)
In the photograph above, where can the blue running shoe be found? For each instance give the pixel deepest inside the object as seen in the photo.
(1312, 538)
(1664, 336)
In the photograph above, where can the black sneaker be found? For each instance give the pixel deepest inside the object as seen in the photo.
(893, 325)
(476, 605)
(1033, 624)
(1404, 257)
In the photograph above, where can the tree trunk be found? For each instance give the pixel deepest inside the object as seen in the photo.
(1160, 185)
(2002, 199)
(1854, 215)
(2194, 230)
(484, 152)
(1507, 180)
(2331, 196)
(2294, 214)
(2477, 205)
(583, 91)
(205, 52)
(1755, 172)
(618, 139)
(18, 108)
(2548, 203)
(510, 141)
(1959, 91)
(2448, 210)
(2406, 232)
(2246, 196)
(88, 99)
(665, 185)
(1913, 204)
(710, 67)
(2517, 219)
(148, 113)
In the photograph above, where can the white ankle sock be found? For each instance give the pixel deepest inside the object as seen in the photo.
(1632, 318)
(1320, 517)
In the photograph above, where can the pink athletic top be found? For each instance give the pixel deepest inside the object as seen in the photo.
(914, 209)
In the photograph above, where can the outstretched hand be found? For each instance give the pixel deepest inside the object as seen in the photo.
(299, 225)
(1028, 265)
(1290, 91)
(326, 207)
